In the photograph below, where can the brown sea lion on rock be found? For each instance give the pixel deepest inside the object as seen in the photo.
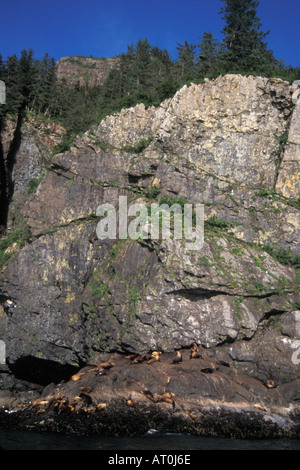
(101, 406)
(270, 384)
(140, 359)
(155, 357)
(194, 354)
(40, 402)
(77, 377)
(131, 403)
(86, 389)
(148, 394)
(105, 365)
(178, 358)
(166, 397)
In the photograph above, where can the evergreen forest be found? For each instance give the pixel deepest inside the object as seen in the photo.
(144, 73)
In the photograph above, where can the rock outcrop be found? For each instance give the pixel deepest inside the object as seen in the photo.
(68, 296)
(27, 147)
(287, 183)
(88, 71)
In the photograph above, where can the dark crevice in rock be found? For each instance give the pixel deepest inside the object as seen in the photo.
(282, 141)
(41, 371)
(59, 173)
(198, 293)
(79, 221)
(134, 179)
(6, 170)
(271, 313)
(3, 184)
(11, 156)
(55, 167)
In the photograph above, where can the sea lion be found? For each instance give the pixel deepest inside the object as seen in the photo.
(207, 370)
(63, 406)
(168, 397)
(259, 407)
(191, 415)
(77, 377)
(100, 406)
(155, 398)
(222, 363)
(155, 357)
(76, 400)
(194, 354)
(56, 400)
(84, 409)
(40, 402)
(131, 356)
(270, 384)
(140, 359)
(105, 365)
(148, 394)
(178, 358)
(136, 360)
(131, 403)
(86, 389)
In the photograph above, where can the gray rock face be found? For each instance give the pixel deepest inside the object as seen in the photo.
(68, 295)
(85, 70)
(288, 177)
(27, 147)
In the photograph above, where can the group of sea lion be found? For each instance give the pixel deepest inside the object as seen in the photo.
(82, 402)
(99, 369)
(139, 359)
(167, 397)
(62, 404)
(155, 356)
(195, 354)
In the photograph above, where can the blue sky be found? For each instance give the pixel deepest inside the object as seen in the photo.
(104, 28)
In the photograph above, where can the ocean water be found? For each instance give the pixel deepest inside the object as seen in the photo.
(152, 441)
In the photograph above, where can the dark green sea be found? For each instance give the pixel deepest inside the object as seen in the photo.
(152, 441)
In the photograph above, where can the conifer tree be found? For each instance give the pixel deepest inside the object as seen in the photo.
(244, 41)
(27, 74)
(2, 68)
(186, 62)
(45, 84)
(140, 66)
(210, 53)
(13, 93)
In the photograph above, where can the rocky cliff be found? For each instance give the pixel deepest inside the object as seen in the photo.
(89, 71)
(68, 298)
